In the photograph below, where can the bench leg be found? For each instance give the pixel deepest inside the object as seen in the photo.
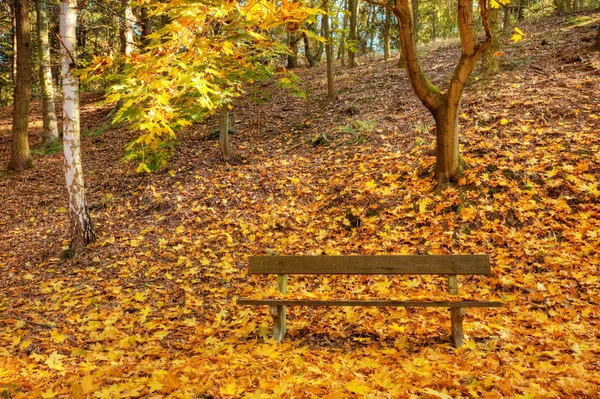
(278, 314)
(457, 315)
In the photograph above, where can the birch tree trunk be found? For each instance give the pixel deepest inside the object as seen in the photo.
(82, 229)
(50, 132)
(20, 157)
(126, 31)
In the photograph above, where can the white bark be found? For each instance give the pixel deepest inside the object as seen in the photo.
(127, 28)
(82, 231)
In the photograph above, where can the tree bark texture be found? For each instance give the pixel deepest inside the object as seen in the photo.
(415, 13)
(292, 61)
(146, 24)
(489, 62)
(20, 157)
(329, 57)
(50, 132)
(353, 36)
(82, 229)
(126, 31)
(386, 34)
(342, 50)
(314, 59)
(224, 142)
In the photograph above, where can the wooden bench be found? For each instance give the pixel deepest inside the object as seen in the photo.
(449, 265)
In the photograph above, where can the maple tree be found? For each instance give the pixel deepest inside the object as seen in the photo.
(196, 64)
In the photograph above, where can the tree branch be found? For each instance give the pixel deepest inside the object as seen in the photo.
(66, 49)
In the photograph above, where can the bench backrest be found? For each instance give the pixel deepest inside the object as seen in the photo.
(375, 264)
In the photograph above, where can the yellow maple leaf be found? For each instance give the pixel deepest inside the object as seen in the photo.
(423, 204)
(155, 385)
(356, 386)
(50, 393)
(518, 35)
(57, 336)
(88, 385)
(54, 361)
(231, 389)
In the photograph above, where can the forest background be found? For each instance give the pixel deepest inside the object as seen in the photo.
(147, 309)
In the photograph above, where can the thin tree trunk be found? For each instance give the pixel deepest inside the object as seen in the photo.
(342, 51)
(415, 13)
(82, 229)
(224, 142)
(126, 31)
(506, 24)
(14, 41)
(146, 25)
(353, 37)
(328, 56)
(489, 62)
(292, 61)
(597, 40)
(50, 132)
(20, 157)
(386, 34)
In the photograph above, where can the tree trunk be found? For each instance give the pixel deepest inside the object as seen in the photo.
(447, 154)
(82, 229)
(353, 37)
(561, 5)
(415, 14)
(50, 132)
(146, 25)
(314, 59)
(292, 61)
(328, 56)
(224, 141)
(444, 107)
(342, 51)
(386, 34)
(597, 41)
(14, 42)
(490, 64)
(506, 24)
(126, 31)
(20, 158)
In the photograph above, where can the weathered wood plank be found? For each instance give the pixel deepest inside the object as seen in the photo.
(457, 315)
(453, 284)
(377, 264)
(377, 303)
(278, 311)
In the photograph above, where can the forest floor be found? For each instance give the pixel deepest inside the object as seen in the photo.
(149, 310)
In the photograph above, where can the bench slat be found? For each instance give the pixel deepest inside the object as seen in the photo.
(406, 304)
(377, 264)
